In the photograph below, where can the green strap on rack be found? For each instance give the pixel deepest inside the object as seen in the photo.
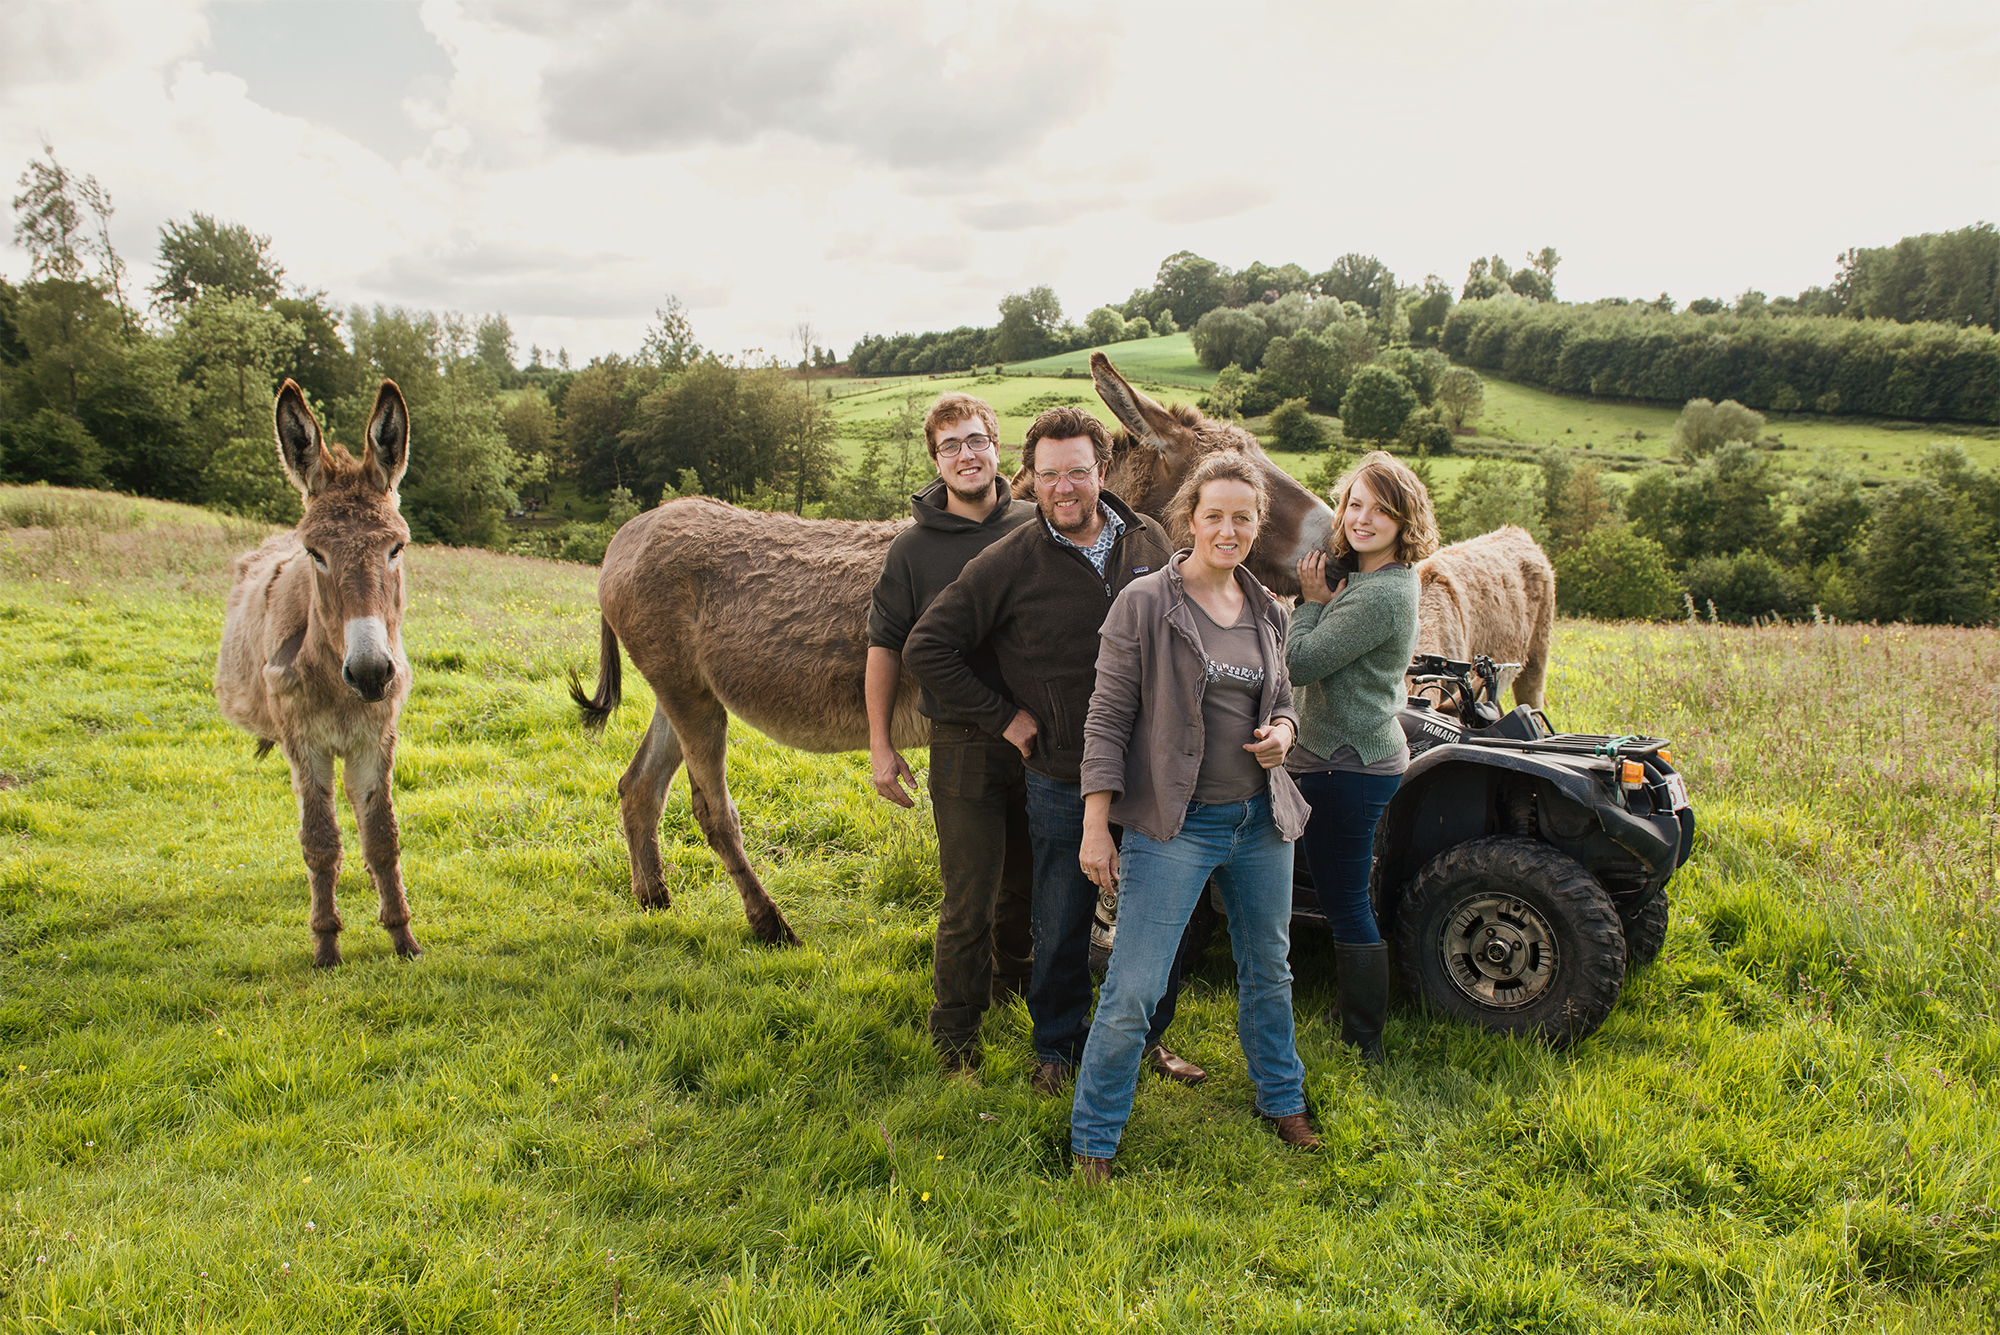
(1615, 744)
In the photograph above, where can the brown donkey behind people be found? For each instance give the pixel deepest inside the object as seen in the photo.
(312, 650)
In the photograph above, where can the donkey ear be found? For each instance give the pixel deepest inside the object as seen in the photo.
(387, 454)
(1149, 423)
(301, 452)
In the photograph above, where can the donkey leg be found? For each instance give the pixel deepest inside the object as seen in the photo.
(367, 779)
(706, 738)
(319, 840)
(642, 796)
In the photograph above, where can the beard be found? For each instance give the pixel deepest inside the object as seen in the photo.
(1084, 514)
(978, 494)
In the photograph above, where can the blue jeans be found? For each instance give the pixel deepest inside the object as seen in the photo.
(1238, 843)
(1061, 908)
(1340, 847)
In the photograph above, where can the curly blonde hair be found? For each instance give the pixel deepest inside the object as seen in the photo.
(1403, 497)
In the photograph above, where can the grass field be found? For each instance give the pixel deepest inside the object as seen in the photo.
(570, 1115)
(1518, 419)
(1167, 361)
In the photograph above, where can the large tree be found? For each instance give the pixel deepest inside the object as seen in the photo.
(202, 256)
(1378, 402)
(1030, 325)
(1187, 285)
(1358, 278)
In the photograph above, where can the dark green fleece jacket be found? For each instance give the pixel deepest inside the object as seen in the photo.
(923, 560)
(1036, 603)
(1347, 659)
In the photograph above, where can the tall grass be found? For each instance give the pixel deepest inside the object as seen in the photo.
(571, 1115)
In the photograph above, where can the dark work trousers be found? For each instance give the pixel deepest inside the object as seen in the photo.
(985, 943)
(1340, 846)
(1065, 904)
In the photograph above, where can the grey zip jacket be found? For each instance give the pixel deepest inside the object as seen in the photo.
(1142, 741)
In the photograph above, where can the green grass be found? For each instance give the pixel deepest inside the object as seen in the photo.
(1631, 435)
(1789, 1123)
(1169, 361)
(1519, 420)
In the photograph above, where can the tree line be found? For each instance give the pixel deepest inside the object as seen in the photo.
(168, 392)
(1825, 364)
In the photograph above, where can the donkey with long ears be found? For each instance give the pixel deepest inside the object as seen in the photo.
(765, 616)
(312, 650)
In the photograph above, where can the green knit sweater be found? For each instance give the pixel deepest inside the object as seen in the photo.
(1347, 659)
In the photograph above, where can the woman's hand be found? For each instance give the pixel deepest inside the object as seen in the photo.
(1099, 855)
(1274, 739)
(1312, 578)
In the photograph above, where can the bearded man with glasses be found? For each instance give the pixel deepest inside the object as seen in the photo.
(1032, 604)
(978, 802)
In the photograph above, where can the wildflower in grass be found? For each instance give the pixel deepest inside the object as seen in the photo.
(926, 1196)
(552, 1077)
(940, 1158)
(311, 1227)
(307, 1178)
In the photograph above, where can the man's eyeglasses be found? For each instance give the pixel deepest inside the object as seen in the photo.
(976, 443)
(1048, 477)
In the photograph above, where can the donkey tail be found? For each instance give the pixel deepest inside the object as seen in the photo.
(264, 745)
(594, 710)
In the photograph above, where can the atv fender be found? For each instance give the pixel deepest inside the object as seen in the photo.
(1448, 798)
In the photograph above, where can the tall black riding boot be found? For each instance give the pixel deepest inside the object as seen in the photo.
(1364, 997)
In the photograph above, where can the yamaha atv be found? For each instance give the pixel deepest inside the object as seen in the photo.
(1520, 870)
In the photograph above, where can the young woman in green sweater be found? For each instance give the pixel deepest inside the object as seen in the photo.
(1347, 650)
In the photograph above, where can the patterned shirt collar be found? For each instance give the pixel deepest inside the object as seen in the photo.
(1098, 552)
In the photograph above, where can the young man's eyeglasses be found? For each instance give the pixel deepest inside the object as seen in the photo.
(978, 444)
(1048, 477)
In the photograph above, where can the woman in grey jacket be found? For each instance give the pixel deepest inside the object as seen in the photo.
(1184, 747)
(1347, 652)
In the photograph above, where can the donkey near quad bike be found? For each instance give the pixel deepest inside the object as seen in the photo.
(1518, 871)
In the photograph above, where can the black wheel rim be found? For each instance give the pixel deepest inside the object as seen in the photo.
(1498, 951)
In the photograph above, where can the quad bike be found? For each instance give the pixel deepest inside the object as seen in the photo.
(1518, 871)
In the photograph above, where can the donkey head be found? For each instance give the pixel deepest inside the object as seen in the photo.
(353, 534)
(1159, 446)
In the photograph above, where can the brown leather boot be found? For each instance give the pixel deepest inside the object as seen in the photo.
(1294, 1130)
(1092, 1172)
(1048, 1079)
(1174, 1068)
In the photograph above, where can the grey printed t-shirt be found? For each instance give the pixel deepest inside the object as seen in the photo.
(1229, 703)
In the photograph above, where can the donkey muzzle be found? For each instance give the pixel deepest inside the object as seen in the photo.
(369, 668)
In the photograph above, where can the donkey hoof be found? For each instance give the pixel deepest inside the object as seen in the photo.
(778, 932)
(326, 950)
(657, 899)
(405, 944)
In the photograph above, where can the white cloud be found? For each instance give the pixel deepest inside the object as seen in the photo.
(905, 163)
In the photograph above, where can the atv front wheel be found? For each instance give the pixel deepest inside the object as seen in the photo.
(1512, 935)
(1646, 930)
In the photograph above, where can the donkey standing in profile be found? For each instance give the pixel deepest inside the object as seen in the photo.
(765, 616)
(312, 649)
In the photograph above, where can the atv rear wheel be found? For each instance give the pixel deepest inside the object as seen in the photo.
(1646, 930)
(1513, 936)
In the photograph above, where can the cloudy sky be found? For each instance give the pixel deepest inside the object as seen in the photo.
(901, 165)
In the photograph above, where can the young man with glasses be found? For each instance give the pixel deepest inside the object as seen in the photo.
(978, 800)
(1032, 604)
